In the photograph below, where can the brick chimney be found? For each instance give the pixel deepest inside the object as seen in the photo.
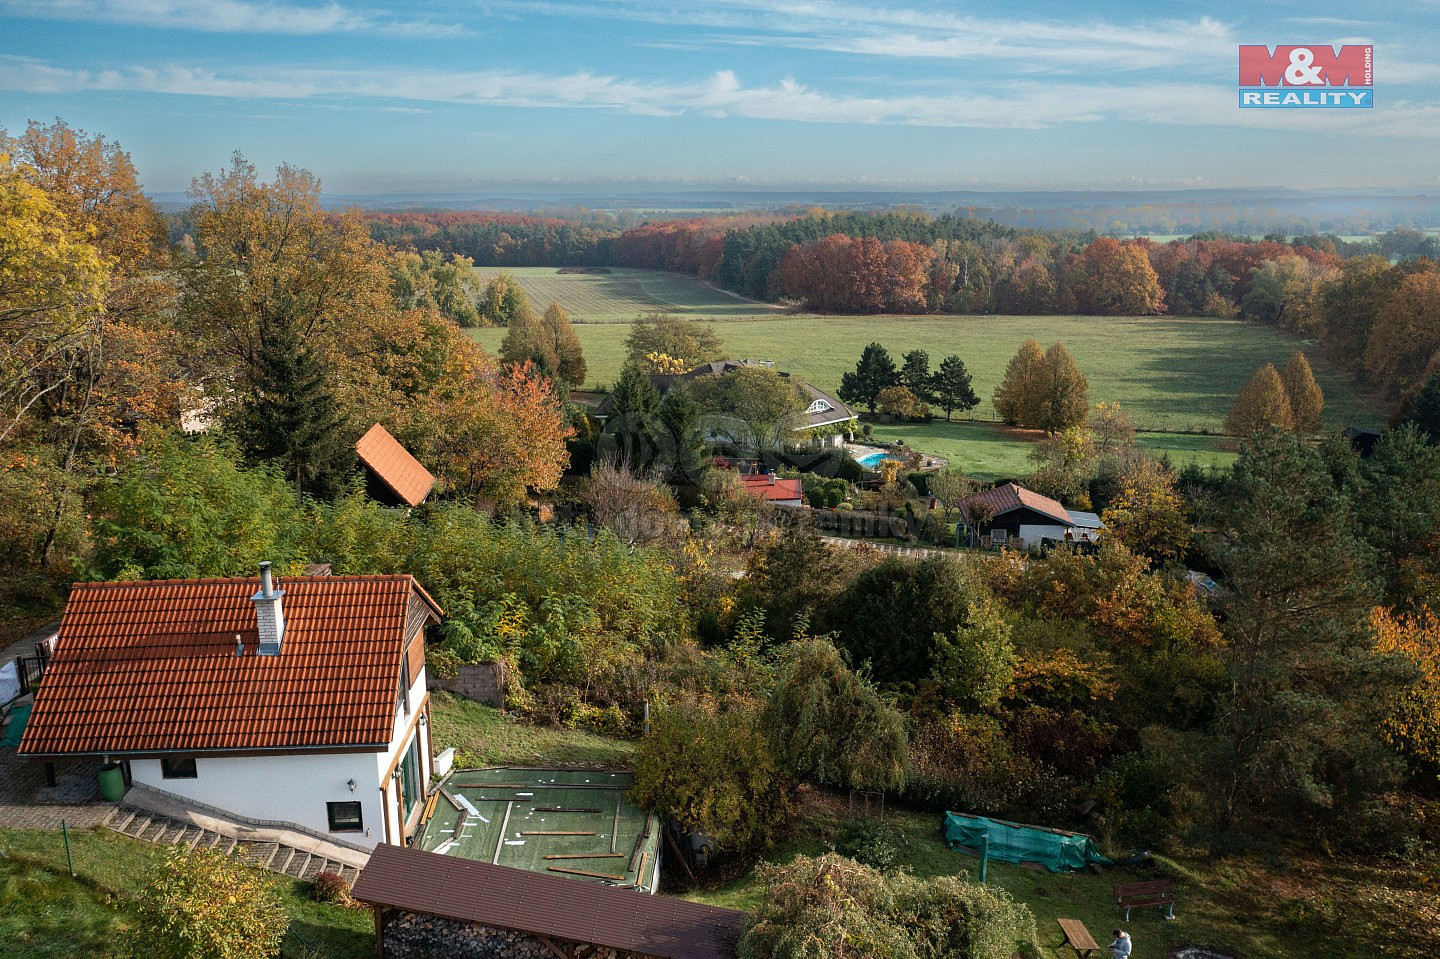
(269, 614)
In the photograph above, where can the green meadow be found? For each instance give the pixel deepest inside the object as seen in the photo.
(1175, 376)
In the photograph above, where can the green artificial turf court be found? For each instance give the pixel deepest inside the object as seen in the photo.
(499, 815)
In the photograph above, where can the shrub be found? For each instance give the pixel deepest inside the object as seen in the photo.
(208, 906)
(331, 887)
(870, 841)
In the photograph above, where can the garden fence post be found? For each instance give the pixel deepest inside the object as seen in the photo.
(984, 857)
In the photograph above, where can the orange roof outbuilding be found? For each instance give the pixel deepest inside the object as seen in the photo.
(772, 489)
(393, 465)
(173, 665)
(1003, 499)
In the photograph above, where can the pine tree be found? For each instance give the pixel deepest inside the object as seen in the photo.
(950, 386)
(1017, 398)
(1260, 404)
(1306, 400)
(875, 371)
(915, 375)
(292, 417)
(1423, 408)
(561, 343)
(1065, 401)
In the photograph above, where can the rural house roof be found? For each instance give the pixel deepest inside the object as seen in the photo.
(392, 463)
(521, 901)
(1004, 499)
(148, 667)
(772, 489)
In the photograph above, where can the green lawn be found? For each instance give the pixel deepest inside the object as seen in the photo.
(620, 295)
(1169, 373)
(44, 914)
(1290, 909)
(484, 736)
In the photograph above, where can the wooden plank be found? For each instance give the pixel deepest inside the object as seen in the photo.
(587, 855)
(556, 832)
(615, 827)
(591, 875)
(429, 807)
(640, 873)
(451, 799)
(500, 839)
(562, 809)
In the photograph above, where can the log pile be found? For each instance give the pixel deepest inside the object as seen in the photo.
(411, 936)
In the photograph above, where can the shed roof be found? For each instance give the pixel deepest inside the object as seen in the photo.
(1004, 499)
(152, 667)
(521, 901)
(383, 455)
(781, 490)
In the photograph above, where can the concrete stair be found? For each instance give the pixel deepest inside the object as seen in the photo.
(277, 857)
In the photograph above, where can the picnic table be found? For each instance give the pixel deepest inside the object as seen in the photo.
(1153, 893)
(1078, 938)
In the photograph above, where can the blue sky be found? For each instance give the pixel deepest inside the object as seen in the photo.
(380, 96)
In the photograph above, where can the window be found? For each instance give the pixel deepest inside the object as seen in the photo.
(177, 767)
(819, 406)
(344, 816)
(998, 536)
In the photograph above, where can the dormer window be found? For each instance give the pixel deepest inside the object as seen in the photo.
(819, 406)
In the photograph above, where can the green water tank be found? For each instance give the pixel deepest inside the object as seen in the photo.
(112, 782)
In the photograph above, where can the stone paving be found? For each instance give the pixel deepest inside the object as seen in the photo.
(26, 802)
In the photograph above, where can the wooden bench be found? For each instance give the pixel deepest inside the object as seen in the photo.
(1077, 937)
(1154, 893)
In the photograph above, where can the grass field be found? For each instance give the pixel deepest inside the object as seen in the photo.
(1290, 908)
(1175, 376)
(484, 736)
(622, 294)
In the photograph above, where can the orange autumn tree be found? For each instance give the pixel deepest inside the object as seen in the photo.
(1412, 721)
(504, 430)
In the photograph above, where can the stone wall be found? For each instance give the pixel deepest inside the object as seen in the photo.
(411, 936)
(484, 683)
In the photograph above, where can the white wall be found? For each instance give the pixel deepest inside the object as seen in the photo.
(1031, 535)
(285, 788)
(384, 761)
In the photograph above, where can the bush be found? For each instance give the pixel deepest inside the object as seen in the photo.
(207, 906)
(828, 906)
(870, 841)
(714, 772)
(331, 887)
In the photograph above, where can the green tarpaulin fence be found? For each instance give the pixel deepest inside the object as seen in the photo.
(1054, 849)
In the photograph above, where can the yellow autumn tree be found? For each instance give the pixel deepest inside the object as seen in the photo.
(1412, 722)
(1307, 401)
(1263, 402)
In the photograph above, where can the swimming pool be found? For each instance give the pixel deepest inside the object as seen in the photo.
(871, 461)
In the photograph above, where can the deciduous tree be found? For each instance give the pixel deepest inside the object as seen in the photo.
(1148, 515)
(1111, 278)
(897, 402)
(1263, 402)
(689, 341)
(1018, 397)
(1307, 401)
(558, 337)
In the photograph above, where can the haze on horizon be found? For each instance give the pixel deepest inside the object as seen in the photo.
(378, 96)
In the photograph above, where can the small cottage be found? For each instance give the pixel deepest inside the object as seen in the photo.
(1011, 515)
(299, 703)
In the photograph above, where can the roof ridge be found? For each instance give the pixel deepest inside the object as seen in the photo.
(226, 580)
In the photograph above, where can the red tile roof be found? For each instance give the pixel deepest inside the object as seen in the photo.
(632, 922)
(1003, 499)
(151, 666)
(781, 489)
(394, 465)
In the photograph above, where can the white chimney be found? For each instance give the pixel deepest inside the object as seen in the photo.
(772, 477)
(269, 614)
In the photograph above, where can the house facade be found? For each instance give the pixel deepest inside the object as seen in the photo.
(300, 704)
(1013, 516)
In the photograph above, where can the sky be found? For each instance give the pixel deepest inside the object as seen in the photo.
(379, 96)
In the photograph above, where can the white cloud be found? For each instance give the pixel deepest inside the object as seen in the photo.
(230, 16)
(1013, 104)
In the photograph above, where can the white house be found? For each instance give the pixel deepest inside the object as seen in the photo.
(1011, 515)
(299, 703)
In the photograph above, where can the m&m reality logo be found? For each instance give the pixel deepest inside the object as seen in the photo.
(1315, 76)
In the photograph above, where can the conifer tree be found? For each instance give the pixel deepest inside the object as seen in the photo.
(292, 417)
(1261, 403)
(525, 339)
(633, 393)
(950, 386)
(915, 375)
(874, 372)
(1306, 399)
(1423, 408)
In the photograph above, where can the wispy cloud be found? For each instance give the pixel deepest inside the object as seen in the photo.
(1061, 45)
(1014, 105)
(232, 16)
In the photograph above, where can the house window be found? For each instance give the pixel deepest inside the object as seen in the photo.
(177, 767)
(819, 406)
(999, 536)
(344, 816)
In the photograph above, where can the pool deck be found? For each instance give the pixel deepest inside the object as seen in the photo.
(572, 823)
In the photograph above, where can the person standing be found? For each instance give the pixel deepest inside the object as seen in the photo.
(1120, 947)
